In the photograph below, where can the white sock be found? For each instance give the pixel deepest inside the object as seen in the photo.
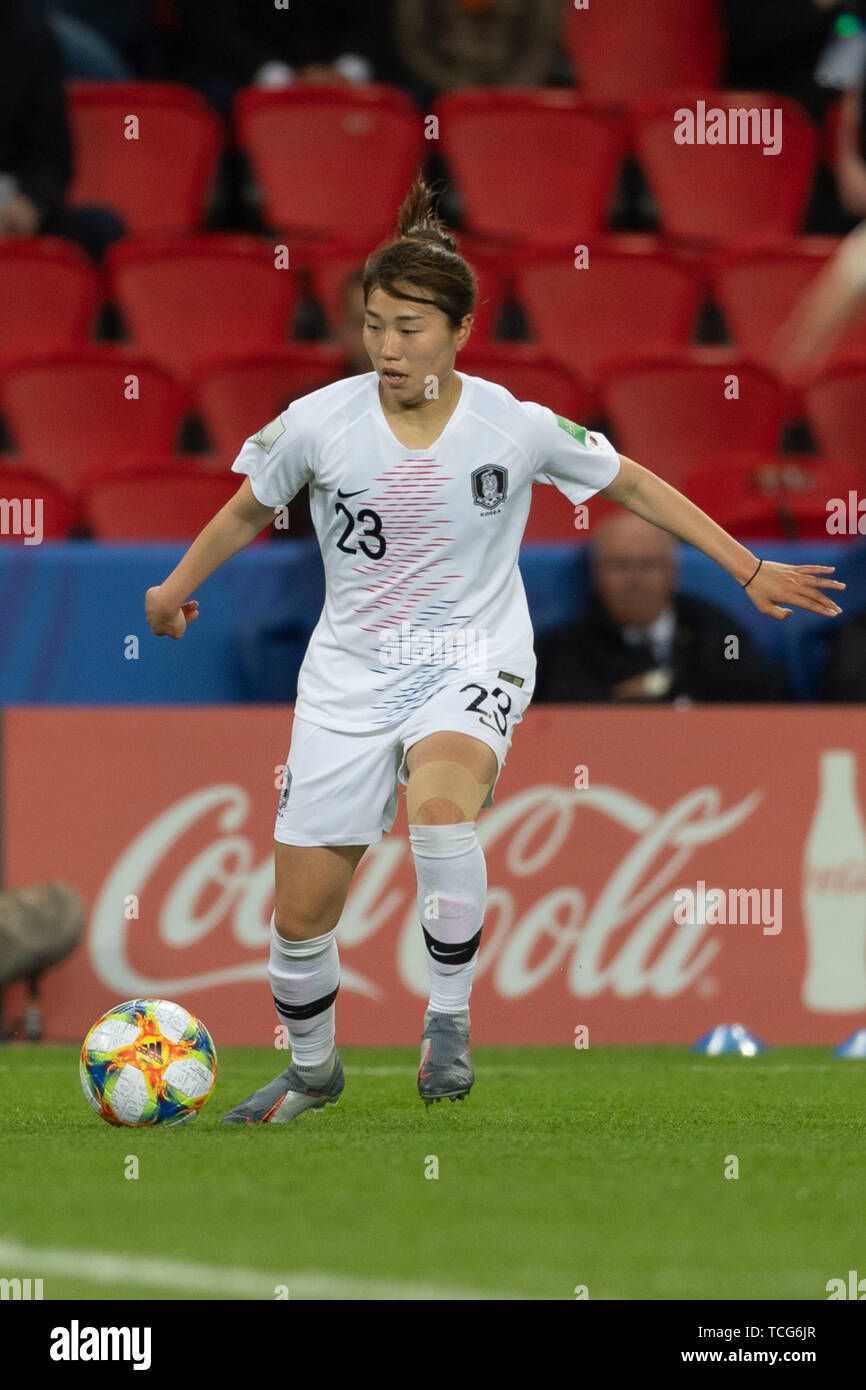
(452, 896)
(305, 977)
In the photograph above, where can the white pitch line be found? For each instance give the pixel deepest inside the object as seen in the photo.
(194, 1280)
(786, 1066)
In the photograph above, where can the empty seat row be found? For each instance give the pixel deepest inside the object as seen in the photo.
(533, 166)
(159, 501)
(753, 495)
(71, 413)
(187, 299)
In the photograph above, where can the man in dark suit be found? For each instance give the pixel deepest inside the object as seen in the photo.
(639, 640)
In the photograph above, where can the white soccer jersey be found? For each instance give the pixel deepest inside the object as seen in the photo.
(420, 546)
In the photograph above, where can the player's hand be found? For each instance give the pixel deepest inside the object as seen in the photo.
(648, 685)
(776, 585)
(167, 621)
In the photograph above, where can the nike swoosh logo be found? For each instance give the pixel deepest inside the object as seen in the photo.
(422, 1074)
(351, 494)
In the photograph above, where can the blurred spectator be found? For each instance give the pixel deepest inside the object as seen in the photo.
(125, 26)
(35, 153)
(775, 45)
(40, 925)
(639, 640)
(87, 54)
(447, 44)
(111, 40)
(845, 671)
(227, 44)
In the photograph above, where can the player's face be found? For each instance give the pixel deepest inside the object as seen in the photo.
(412, 347)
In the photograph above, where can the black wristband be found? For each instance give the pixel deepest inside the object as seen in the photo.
(748, 581)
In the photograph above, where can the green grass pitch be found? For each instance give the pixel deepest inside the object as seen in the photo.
(602, 1168)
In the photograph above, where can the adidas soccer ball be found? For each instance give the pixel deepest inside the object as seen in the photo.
(148, 1062)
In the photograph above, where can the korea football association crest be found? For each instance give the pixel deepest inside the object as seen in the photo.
(489, 487)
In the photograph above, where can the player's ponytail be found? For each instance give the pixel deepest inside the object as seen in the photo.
(417, 217)
(422, 262)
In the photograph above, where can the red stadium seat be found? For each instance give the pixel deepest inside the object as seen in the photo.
(722, 193)
(531, 375)
(91, 421)
(158, 181)
(19, 486)
(552, 517)
(533, 165)
(585, 318)
(331, 161)
(49, 294)
(634, 47)
(184, 299)
(161, 502)
(666, 413)
(756, 293)
(331, 263)
(493, 268)
(836, 411)
(756, 495)
(237, 395)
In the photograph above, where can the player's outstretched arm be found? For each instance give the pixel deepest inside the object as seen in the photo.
(824, 311)
(233, 527)
(770, 588)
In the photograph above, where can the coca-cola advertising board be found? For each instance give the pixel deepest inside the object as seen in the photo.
(652, 872)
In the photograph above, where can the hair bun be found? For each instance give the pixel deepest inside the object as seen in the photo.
(418, 219)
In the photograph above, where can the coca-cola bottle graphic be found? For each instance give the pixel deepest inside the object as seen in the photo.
(834, 891)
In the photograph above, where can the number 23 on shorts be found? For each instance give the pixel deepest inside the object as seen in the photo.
(497, 717)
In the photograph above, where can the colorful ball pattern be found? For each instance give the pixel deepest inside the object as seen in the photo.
(148, 1062)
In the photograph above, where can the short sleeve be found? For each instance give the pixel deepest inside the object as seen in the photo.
(578, 461)
(276, 460)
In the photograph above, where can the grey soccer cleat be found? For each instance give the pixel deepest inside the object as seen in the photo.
(285, 1097)
(446, 1058)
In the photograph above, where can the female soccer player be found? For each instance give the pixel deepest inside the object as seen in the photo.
(422, 661)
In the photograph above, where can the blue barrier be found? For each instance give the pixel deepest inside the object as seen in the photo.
(67, 610)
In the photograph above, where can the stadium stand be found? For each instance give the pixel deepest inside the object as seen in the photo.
(755, 292)
(328, 157)
(232, 391)
(49, 295)
(588, 317)
(758, 495)
(195, 297)
(35, 507)
(835, 409)
(663, 412)
(108, 409)
(634, 48)
(156, 502)
(711, 194)
(569, 153)
(127, 141)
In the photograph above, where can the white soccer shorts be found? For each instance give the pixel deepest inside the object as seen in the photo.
(342, 789)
